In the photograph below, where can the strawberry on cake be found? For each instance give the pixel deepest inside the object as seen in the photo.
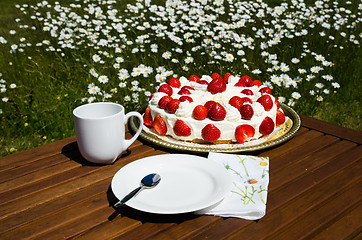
(213, 109)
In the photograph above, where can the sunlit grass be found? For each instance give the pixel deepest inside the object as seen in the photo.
(58, 55)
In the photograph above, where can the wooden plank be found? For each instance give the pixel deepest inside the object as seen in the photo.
(345, 227)
(75, 184)
(224, 229)
(332, 129)
(301, 202)
(16, 194)
(312, 178)
(73, 171)
(92, 221)
(309, 163)
(9, 174)
(187, 229)
(301, 150)
(144, 231)
(34, 154)
(320, 215)
(31, 178)
(48, 208)
(70, 213)
(301, 130)
(292, 144)
(282, 195)
(108, 230)
(50, 222)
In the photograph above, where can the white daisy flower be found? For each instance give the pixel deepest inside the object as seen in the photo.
(296, 95)
(189, 60)
(319, 98)
(295, 60)
(167, 55)
(336, 85)
(96, 58)
(93, 90)
(319, 85)
(103, 79)
(119, 60)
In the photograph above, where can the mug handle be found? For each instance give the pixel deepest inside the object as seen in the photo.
(128, 142)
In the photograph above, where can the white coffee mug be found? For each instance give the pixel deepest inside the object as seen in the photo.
(100, 131)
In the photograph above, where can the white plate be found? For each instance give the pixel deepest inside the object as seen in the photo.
(188, 183)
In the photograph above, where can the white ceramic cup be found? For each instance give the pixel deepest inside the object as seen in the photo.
(100, 131)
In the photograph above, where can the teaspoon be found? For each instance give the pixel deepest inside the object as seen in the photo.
(149, 181)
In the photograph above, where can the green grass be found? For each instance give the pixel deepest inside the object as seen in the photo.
(50, 84)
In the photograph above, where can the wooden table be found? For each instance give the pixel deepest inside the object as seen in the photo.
(50, 192)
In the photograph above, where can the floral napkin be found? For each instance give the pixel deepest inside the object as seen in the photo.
(248, 195)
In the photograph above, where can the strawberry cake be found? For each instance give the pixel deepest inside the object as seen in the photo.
(213, 109)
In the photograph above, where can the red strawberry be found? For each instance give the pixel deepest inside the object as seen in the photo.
(147, 118)
(217, 112)
(209, 104)
(174, 82)
(216, 86)
(265, 90)
(256, 83)
(267, 126)
(236, 102)
(280, 119)
(203, 82)
(266, 101)
(188, 88)
(185, 98)
(172, 106)
(243, 132)
(247, 92)
(240, 84)
(159, 125)
(194, 78)
(226, 77)
(244, 81)
(200, 112)
(246, 99)
(163, 101)
(215, 75)
(181, 128)
(277, 103)
(185, 90)
(210, 133)
(246, 111)
(166, 89)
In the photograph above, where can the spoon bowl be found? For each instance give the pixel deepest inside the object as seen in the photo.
(149, 181)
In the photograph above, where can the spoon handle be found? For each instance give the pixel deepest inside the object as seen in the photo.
(128, 197)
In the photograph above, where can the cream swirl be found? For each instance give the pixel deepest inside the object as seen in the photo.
(232, 114)
(258, 109)
(185, 109)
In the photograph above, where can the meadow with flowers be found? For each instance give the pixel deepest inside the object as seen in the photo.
(57, 55)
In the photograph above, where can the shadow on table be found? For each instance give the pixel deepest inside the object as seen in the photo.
(132, 213)
(71, 151)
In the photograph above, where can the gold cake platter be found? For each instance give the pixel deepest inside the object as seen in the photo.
(283, 134)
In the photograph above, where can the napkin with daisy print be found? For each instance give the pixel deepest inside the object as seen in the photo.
(248, 195)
